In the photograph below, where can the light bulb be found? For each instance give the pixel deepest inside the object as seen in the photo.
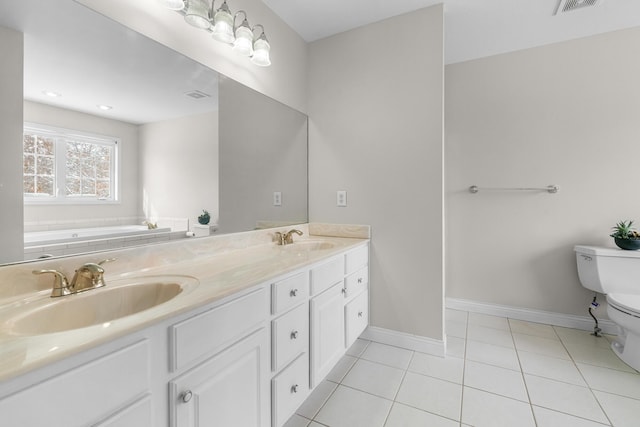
(197, 14)
(261, 50)
(243, 43)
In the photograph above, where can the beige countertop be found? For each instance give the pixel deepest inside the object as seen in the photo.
(220, 274)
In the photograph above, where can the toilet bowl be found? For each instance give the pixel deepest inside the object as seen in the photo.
(616, 273)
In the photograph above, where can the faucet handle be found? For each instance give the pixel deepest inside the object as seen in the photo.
(280, 238)
(60, 283)
(288, 237)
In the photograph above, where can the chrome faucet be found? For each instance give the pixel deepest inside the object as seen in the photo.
(89, 276)
(286, 238)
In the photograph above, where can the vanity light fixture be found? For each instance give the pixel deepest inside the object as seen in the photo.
(197, 14)
(222, 24)
(172, 4)
(243, 44)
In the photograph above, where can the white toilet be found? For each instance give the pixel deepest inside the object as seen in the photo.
(616, 273)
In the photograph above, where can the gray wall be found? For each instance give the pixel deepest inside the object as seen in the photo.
(263, 148)
(565, 114)
(179, 168)
(375, 130)
(11, 229)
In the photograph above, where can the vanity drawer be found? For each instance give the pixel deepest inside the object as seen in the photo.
(289, 389)
(289, 292)
(290, 336)
(356, 282)
(79, 397)
(356, 315)
(209, 332)
(356, 259)
(326, 275)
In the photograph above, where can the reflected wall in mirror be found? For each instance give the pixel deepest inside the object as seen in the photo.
(185, 142)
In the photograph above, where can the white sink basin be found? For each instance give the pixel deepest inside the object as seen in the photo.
(97, 306)
(308, 245)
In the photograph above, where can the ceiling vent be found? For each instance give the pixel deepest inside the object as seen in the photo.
(196, 94)
(569, 5)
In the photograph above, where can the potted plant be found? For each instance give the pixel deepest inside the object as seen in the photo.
(204, 218)
(625, 236)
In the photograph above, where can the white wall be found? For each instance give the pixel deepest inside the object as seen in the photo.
(127, 207)
(179, 168)
(263, 149)
(375, 130)
(285, 80)
(11, 231)
(565, 114)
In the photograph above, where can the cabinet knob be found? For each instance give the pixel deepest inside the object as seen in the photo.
(359, 279)
(359, 314)
(344, 291)
(294, 335)
(294, 388)
(293, 293)
(186, 396)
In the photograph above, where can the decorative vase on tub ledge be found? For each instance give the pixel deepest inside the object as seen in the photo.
(625, 236)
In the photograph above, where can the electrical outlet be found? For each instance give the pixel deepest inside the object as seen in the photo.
(342, 198)
(277, 198)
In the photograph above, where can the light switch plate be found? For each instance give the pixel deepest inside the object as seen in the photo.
(342, 198)
(277, 198)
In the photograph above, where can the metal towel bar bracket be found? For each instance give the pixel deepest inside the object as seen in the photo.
(549, 189)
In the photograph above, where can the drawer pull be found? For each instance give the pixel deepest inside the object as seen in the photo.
(359, 279)
(344, 291)
(293, 293)
(186, 396)
(294, 335)
(294, 388)
(359, 314)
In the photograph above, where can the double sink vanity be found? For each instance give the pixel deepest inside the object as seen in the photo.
(232, 330)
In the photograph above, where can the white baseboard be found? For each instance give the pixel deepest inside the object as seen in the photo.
(538, 316)
(404, 340)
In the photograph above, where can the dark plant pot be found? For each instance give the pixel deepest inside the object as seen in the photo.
(204, 220)
(627, 244)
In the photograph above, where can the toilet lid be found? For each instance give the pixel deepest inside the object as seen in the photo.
(625, 302)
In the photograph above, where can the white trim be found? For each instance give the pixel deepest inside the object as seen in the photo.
(404, 340)
(530, 315)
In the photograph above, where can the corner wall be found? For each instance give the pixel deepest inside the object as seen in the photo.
(11, 228)
(376, 130)
(565, 114)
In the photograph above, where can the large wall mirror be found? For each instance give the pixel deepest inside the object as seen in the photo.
(186, 139)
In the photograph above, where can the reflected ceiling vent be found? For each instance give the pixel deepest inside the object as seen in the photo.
(196, 94)
(569, 5)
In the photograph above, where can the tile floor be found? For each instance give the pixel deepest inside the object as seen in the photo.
(498, 372)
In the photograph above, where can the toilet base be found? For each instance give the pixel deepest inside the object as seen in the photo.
(627, 347)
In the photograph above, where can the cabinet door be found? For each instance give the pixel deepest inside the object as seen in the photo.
(327, 332)
(357, 317)
(230, 389)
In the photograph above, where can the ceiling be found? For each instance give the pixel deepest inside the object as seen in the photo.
(473, 28)
(91, 60)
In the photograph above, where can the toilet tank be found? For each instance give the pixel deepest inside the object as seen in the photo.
(607, 270)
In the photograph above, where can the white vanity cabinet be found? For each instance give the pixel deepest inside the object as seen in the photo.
(356, 294)
(229, 385)
(249, 359)
(289, 345)
(230, 389)
(104, 392)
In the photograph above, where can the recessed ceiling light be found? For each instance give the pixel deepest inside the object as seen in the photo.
(52, 93)
(105, 107)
